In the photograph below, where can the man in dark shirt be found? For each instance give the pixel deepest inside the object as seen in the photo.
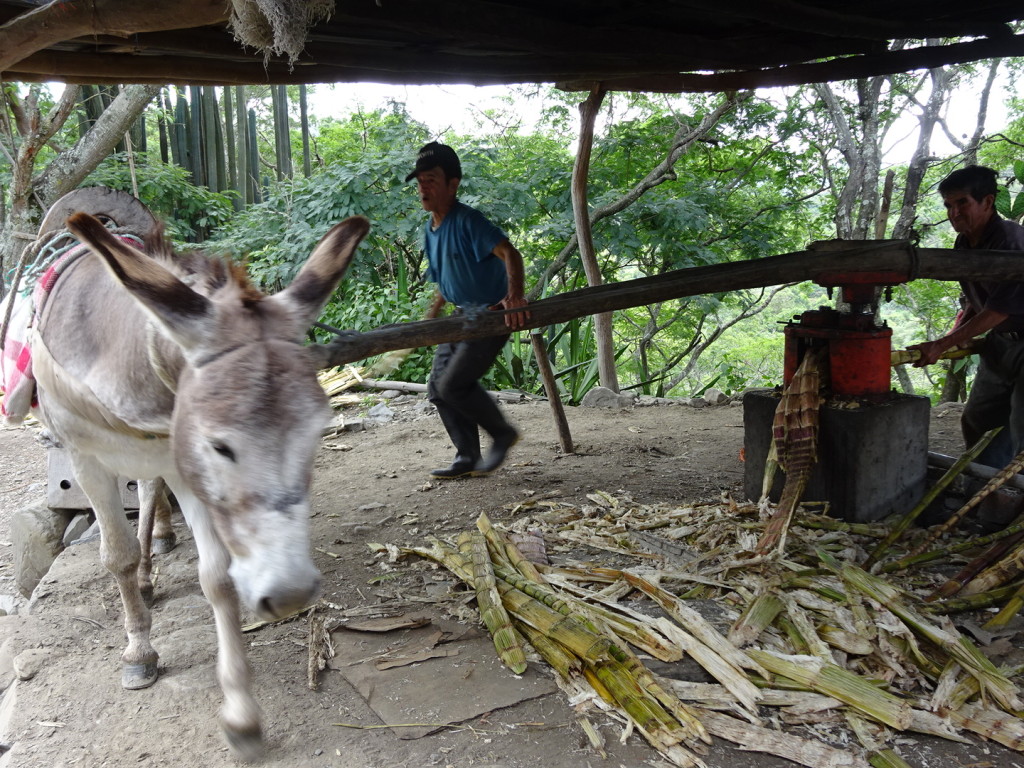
(993, 307)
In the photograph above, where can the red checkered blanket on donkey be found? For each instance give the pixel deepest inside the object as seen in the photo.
(17, 384)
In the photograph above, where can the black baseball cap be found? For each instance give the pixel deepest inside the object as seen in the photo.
(435, 155)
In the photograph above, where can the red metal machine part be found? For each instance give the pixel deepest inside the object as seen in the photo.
(859, 347)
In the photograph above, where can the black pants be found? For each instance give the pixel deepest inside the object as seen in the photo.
(997, 400)
(463, 405)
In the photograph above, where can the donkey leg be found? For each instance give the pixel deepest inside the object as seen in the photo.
(148, 490)
(120, 554)
(164, 538)
(156, 537)
(240, 715)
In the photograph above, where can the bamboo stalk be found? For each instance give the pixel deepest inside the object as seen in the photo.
(950, 474)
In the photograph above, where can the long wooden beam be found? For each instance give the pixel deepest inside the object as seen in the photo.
(825, 264)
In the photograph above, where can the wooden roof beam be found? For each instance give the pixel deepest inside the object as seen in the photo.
(53, 23)
(849, 68)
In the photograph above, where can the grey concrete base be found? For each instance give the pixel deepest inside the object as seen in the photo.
(64, 492)
(872, 459)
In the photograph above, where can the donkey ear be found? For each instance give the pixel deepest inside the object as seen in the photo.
(183, 312)
(320, 275)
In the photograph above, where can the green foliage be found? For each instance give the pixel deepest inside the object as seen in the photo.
(1008, 205)
(167, 191)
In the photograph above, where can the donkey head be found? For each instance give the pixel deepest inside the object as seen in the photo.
(248, 408)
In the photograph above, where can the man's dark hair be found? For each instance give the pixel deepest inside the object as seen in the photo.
(976, 180)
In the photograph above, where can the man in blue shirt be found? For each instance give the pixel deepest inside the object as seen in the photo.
(993, 307)
(475, 268)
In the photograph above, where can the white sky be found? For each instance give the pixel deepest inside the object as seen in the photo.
(440, 107)
(460, 107)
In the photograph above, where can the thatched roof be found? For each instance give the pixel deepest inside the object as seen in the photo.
(668, 45)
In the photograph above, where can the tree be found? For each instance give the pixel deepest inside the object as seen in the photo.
(45, 165)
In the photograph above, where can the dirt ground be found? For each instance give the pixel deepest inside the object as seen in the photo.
(370, 486)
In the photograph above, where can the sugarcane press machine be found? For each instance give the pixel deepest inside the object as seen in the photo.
(872, 454)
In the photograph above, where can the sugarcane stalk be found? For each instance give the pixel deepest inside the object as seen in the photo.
(646, 680)
(650, 717)
(832, 680)
(795, 436)
(977, 602)
(879, 755)
(492, 612)
(714, 664)
(592, 615)
(992, 555)
(952, 549)
(569, 631)
(757, 617)
(951, 642)
(802, 624)
(1007, 612)
(509, 551)
(846, 641)
(995, 575)
(996, 482)
(771, 468)
(950, 474)
(789, 629)
(904, 356)
(988, 722)
(803, 581)
(693, 623)
(564, 663)
(755, 738)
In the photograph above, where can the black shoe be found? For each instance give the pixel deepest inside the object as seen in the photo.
(457, 469)
(496, 456)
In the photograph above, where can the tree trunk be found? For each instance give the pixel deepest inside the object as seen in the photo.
(69, 168)
(607, 374)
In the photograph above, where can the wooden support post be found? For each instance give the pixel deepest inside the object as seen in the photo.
(548, 377)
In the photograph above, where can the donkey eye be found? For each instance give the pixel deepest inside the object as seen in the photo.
(223, 449)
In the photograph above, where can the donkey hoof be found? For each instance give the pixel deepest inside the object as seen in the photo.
(163, 545)
(136, 676)
(246, 743)
(147, 595)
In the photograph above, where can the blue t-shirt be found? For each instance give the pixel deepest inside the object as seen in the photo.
(460, 255)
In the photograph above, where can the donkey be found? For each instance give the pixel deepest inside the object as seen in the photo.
(150, 366)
